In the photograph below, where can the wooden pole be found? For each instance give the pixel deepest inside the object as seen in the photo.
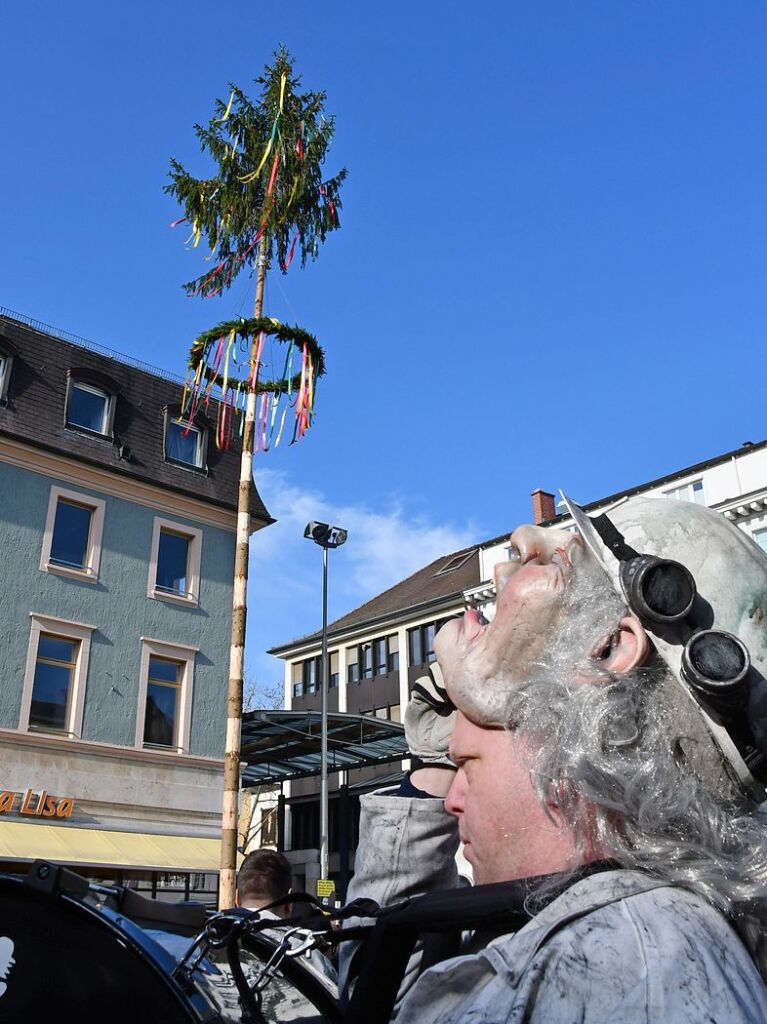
(229, 813)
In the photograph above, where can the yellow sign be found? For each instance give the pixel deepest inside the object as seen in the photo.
(325, 887)
(37, 805)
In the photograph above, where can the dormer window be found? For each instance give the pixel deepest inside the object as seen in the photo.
(6, 362)
(454, 562)
(184, 443)
(89, 408)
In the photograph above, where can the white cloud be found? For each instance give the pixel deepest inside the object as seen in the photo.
(285, 592)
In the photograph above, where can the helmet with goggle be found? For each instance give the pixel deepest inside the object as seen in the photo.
(698, 584)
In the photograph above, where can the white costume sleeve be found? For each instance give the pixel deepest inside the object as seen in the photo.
(659, 956)
(407, 847)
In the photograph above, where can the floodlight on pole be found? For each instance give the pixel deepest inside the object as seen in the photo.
(326, 536)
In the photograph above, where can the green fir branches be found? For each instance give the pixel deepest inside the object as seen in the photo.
(269, 154)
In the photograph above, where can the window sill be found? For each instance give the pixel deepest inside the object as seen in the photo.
(95, 435)
(188, 466)
(161, 748)
(84, 575)
(45, 730)
(185, 600)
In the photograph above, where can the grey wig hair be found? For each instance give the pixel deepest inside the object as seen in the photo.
(607, 757)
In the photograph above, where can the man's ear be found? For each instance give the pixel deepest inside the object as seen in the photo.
(626, 649)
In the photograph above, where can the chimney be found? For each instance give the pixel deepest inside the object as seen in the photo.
(543, 507)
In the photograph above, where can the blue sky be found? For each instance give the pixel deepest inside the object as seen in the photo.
(550, 272)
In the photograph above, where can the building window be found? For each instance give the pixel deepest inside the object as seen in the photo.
(415, 656)
(421, 644)
(184, 443)
(366, 661)
(688, 492)
(352, 665)
(760, 536)
(89, 408)
(307, 675)
(269, 827)
(71, 529)
(380, 656)
(6, 362)
(305, 825)
(165, 695)
(54, 679)
(174, 562)
(388, 714)
(72, 538)
(369, 660)
(454, 562)
(312, 674)
(53, 683)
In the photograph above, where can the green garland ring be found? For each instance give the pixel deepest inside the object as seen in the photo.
(247, 328)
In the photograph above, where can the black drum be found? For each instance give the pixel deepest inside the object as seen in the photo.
(294, 991)
(62, 960)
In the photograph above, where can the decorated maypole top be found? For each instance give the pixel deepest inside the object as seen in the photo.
(268, 201)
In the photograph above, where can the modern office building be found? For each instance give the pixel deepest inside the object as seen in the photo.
(117, 531)
(378, 650)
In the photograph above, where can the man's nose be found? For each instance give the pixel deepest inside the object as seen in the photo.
(454, 798)
(534, 544)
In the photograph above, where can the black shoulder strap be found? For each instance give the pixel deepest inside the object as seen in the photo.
(438, 919)
(613, 538)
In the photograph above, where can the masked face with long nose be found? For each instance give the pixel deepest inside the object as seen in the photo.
(554, 604)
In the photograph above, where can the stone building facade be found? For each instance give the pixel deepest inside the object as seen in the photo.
(117, 527)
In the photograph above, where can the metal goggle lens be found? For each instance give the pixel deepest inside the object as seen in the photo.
(657, 588)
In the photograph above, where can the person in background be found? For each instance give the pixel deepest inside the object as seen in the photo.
(264, 877)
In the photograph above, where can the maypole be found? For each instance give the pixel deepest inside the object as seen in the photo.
(268, 200)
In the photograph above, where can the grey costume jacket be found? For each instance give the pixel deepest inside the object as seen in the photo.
(617, 947)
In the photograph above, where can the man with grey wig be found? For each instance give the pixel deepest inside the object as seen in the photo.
(605, 761)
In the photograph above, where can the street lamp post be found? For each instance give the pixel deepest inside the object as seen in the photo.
(327, 537)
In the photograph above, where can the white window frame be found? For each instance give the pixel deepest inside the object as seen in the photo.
(192, 596)
(673, 492)
(90, 572)
(200, 464)
(150, 647)
(68, 630)
(6, 365)
(109, 409)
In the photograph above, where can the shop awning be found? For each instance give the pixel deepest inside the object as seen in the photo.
(282, 745)
(24, 841)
